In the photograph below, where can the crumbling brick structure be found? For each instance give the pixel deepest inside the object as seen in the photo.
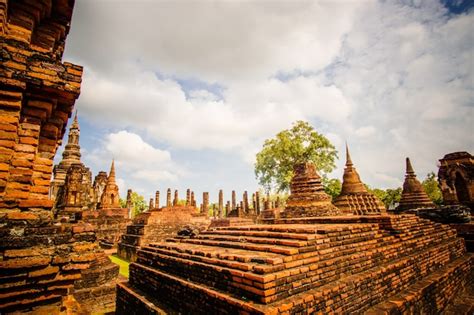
(413, 194)
(158, 224)
(456, 179)
(354, 197)
(343, 264)
(41, 262)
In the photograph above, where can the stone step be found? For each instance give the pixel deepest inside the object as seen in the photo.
(343, 295)
(405, 301)
(306, 271)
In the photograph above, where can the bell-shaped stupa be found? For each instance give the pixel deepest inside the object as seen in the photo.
(308, 198)
(413, 194)
(354, 197)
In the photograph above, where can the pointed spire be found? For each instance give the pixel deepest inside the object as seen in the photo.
(112, 172)
(410, 170)
(348, 156)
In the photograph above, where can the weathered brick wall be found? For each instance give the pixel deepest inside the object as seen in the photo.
(158, 225)
(40, 261)
(322, 264)
(110, 224)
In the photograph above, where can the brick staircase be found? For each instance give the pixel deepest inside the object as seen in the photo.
(350, 264)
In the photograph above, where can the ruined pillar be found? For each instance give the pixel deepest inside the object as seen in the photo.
(254, 203)
(221, 203)
(151, 205)
(129, 204)
(176, 198)
(157, 199)
(234, 202)
(227, 208)
(193, 201)
(257, 203)
(168, 197)
(245, 201)
(188, 197)
(205, 203)
(267, 203)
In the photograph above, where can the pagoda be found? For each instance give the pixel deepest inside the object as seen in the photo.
(308, 197)
(110, 196)
(354, 197)
(71, 184)
(413, 194)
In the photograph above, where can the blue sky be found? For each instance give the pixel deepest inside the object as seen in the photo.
(183, 94)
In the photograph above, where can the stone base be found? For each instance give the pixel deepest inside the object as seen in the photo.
(231, 222)
(157, 225)
(344, 264)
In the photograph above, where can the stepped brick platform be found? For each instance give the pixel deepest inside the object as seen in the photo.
(157, 225)
(341, 264)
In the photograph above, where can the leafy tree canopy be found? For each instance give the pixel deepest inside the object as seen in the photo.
(301, 143)
(430, 184)
(138, 204)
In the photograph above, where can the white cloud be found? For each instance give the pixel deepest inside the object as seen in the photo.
(138, 164)
(392, 78)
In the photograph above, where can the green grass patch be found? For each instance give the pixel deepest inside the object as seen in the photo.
(123, 264)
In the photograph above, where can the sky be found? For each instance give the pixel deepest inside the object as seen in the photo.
(182, 94)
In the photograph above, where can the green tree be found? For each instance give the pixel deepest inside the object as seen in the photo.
(392, 197)
(301, 143)
(430, 184)
(138, 204)
(332, 186)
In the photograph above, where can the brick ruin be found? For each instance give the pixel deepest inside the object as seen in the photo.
(76, 198)
(307, 196)
(157, 224)
(413, 194)
(44, 263)
(456, 179)
(354, 197)
(302, 263)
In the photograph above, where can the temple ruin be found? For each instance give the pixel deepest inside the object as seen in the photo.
(456, 179)
(378, 264)
(157, 224)
(46, 265)
(354, 197)
(413, 194)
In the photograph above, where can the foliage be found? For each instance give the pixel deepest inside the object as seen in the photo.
(138, 204)
(301, 143)
(390, 197)
(332, 186)
(430, 184)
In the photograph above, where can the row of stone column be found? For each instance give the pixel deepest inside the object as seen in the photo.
(238, 208)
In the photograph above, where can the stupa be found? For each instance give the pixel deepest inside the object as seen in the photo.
(354, 197)
(308, 197)
(413, 194)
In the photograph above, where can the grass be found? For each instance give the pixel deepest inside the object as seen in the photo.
(123, 264)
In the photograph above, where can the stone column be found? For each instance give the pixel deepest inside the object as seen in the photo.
(245, 202)
(227, 208)
(176, 198)
(234, 204)
(254, 203)
(221, 203)
(188, 197)
(267, 203)
(157, 199)
(257, 203)
(193, 201)
(240, 210)
(168, 197)
(277, 202)
(205, 203)
(129, 203)
(151, 205)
